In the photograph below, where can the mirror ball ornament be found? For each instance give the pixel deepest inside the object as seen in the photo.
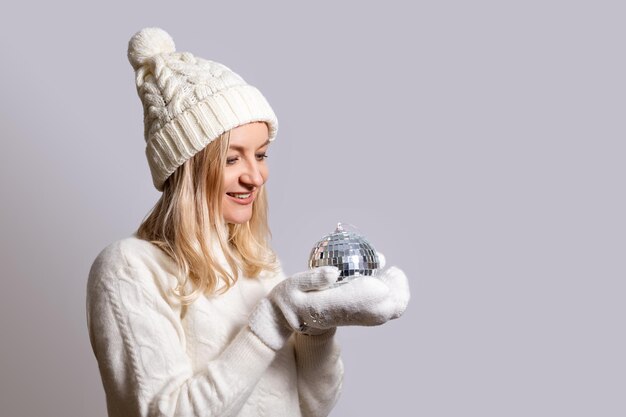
(350, 252)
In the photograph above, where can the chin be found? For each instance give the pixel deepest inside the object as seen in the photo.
(236, 213)
(236, 221)
(238, 218)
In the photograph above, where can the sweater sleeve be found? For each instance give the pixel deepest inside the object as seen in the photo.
(320, 372)
(139, 344)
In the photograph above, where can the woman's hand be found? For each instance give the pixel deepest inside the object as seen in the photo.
(310, 302)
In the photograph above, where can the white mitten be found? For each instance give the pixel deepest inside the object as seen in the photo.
(310, 303)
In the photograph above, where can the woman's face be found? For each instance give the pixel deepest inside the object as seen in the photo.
(245, 171)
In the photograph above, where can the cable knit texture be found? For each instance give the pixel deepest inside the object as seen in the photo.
(188, 101)
(157, 358)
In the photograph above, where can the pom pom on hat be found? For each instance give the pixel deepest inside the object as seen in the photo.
(147, 43)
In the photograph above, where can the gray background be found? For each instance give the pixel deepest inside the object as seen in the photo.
(479, 145)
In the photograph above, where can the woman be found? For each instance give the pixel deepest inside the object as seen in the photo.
(192, 315)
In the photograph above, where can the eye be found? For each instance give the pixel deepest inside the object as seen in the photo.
(231, 160)
(261, 156)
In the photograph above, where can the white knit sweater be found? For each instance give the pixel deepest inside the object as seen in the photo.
(156, 359)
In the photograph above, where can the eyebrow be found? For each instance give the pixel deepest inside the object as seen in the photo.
(241, 148)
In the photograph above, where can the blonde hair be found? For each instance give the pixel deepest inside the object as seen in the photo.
(188, 217)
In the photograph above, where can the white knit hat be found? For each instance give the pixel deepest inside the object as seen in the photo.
(188, 101)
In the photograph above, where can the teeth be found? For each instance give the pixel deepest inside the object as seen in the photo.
(241, 196)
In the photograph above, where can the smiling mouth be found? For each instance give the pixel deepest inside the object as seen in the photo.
(241, 196)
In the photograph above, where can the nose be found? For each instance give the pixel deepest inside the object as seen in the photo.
(252, 176)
